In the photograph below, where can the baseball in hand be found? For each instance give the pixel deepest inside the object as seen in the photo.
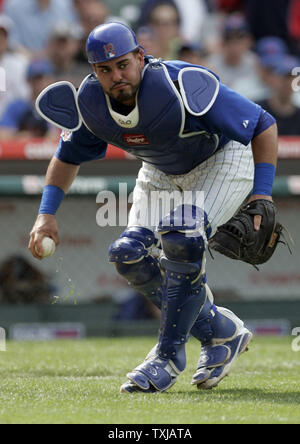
(48, 247)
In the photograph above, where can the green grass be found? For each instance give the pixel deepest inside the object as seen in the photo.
(78, 382)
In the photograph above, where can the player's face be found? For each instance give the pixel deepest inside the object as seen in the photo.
(120, 78)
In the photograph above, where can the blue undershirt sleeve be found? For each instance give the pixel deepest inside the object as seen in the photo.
(80, 146)
(265, 121)
(233, 116)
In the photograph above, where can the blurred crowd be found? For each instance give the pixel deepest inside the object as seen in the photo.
(254, 48)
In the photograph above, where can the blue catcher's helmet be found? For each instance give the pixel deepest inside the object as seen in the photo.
(109, 41)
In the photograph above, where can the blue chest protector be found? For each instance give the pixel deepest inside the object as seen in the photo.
(182, 117)
(157, 137)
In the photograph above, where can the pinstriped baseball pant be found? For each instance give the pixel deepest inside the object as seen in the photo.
(225, 179)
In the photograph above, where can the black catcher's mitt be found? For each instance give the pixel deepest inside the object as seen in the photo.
(238, 239)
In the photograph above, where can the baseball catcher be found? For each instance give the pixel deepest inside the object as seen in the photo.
(194, 135)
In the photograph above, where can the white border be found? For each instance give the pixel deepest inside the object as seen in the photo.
(184, 97)
(41, 95)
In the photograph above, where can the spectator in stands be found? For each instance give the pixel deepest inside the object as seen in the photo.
(229, 6)
(90, 14)
(280, 102)
(193, 15)
(21, 283)
(294, 24)
(235, 60)
(164, 21)
(34, 20)
(267, 18)
(271, 47)
(269, 50)
(13, 74)
(149, 41)
(20, 119)
(192, 53)
(62, 49)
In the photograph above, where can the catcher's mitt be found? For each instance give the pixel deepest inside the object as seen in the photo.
(238, 239)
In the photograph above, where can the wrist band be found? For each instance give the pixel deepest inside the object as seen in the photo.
(51, 199)
(263, 178)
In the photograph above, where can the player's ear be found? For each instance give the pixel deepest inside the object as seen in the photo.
(141, 56)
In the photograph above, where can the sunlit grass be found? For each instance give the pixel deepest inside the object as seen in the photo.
(79, 381)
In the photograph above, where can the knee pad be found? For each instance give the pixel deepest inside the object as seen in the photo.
(184, 238)
(131, 256)
(186, 219)
(179, 247)
(184, 234)
(132, 246)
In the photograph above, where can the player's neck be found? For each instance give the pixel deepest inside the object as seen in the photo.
(122, 108)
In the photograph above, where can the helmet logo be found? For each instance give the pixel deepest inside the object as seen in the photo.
(109, 50)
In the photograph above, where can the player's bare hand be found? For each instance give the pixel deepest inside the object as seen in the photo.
(45, 225)
(257, 218)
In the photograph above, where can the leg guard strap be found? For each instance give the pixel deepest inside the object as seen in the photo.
(158, 373)
(215, 325)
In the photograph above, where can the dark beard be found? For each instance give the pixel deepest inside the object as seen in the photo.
(126, 98)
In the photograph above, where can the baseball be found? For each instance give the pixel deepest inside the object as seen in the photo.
(48, 246)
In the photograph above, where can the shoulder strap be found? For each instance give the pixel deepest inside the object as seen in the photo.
(199, 89)
(58, 105)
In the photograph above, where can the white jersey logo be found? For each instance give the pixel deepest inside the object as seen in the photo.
(246, 123)
(66, 135)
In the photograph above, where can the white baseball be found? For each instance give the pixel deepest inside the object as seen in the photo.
(48, 247)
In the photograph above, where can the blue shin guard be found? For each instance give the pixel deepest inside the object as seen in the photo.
(183, 296)
(187, 306)
(181, 304)
(182, 300)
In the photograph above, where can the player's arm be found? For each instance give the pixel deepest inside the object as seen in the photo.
(59, 178)
(74, 149)
(265, 151)
(240, 119)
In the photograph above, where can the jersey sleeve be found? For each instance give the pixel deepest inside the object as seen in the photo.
(80, 146)
(233, 116)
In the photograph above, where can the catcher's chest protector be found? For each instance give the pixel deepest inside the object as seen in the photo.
(154, 131)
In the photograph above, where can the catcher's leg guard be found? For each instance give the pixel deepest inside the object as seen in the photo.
(130, 254)
(183, 296)
(217, 354)
(214, 325)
